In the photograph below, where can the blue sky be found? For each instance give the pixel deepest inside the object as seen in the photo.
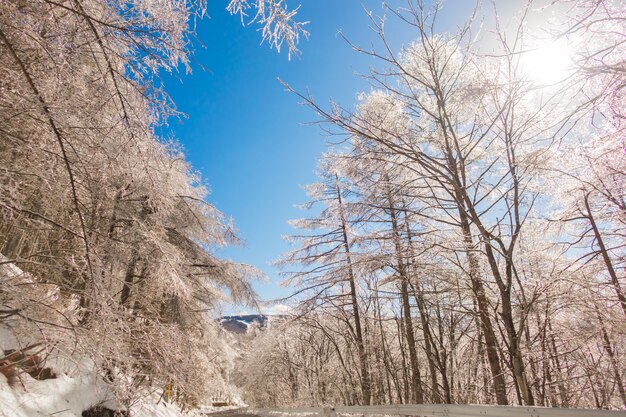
(248, 137)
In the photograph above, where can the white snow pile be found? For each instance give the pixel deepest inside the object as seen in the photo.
(71, 393)
(63, 396)
(71, 386)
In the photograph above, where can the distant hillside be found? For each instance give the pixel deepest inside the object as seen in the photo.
(241, 323)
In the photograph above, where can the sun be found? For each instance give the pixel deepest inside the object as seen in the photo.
(549, 63)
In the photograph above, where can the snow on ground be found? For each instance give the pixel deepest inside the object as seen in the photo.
(69, 397)
(76, 387)
(62, 397)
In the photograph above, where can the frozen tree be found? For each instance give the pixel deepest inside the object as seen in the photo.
(107, 221)
(330, 269)
(492, 202)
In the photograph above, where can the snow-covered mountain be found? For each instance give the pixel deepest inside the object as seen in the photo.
(240, 324)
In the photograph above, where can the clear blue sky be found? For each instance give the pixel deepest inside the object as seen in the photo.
(248, 137)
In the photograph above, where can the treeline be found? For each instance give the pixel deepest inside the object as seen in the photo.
(106, 236)
(466, 242)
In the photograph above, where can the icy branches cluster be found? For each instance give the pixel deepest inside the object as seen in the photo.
(466, 242)
(105, 231)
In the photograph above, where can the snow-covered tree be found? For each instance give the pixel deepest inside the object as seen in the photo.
(109, 224)
(493, 201)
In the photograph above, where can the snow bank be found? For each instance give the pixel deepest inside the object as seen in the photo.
(62, 397)
(69, 397)
(77, 386)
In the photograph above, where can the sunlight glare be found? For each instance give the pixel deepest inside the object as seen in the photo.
(549, 63)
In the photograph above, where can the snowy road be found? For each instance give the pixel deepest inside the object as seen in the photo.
(231, 413)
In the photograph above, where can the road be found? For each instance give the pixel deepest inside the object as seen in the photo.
(230, 413)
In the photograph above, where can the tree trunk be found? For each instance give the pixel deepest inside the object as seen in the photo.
(491, 343)
(417, 392)
(605, 256)
(365, 379)
(609, 350)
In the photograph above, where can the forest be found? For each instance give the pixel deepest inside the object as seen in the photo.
(465, 242)
(466, 236)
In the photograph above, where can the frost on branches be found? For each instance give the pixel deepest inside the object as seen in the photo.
(107, 224)
(466, 241)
